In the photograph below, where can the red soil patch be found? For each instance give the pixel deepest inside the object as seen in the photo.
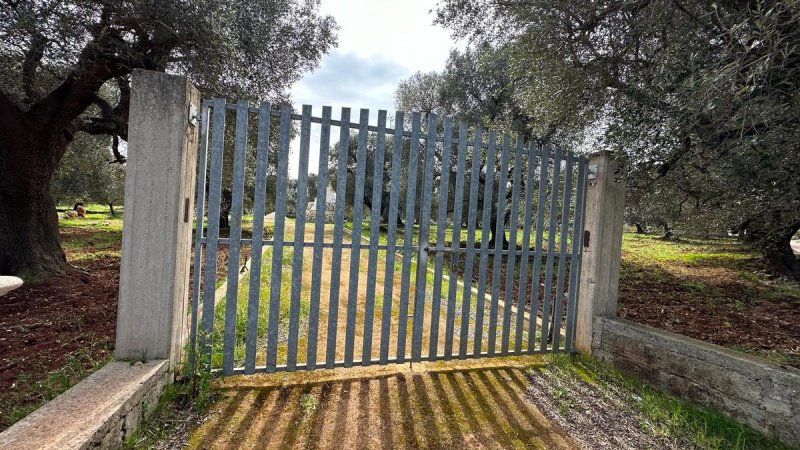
(45, 325)
(734, 313)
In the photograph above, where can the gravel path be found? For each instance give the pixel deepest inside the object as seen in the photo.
(595, 416)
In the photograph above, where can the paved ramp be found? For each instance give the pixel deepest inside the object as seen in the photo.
(469, 404)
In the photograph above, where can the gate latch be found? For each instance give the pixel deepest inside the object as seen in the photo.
(192, 115)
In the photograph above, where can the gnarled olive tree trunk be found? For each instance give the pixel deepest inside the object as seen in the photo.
(772, 233)
(29, 239)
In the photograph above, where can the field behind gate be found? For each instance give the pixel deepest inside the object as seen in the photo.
(373, 338)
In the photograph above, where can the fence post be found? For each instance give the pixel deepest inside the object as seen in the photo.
(599, 278)
(157, 227)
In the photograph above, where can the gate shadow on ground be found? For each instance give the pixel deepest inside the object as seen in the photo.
(474, 404)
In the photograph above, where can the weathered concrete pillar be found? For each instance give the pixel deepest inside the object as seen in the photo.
(157, 226)
(599, 281)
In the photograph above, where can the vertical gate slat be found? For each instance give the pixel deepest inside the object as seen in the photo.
(424, 230)
(551, 232)
(488, 187)
(562, 253)
(338, 232)
(511, 264)
(441, 224)
(301, 200)
(374, 237)
(577, 252)
(458, 206)
(262, 147)
(559, 266)
(212, 234)
(469, 251)
(235, 236)
(525, 256)
(278, 239)
(408, 235)
(499, 237)
(355, 242)
(391, 236)
(319, 239)
(199, 208)
(541, 207)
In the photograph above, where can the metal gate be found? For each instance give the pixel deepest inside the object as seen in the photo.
(431, 240)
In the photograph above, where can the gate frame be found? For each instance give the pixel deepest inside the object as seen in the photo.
(153, 311)
(602, 247)
(160, 185)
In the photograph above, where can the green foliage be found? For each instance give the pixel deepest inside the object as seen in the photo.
(663, 414)
(88, 173)
(698, 100)
(476, 86)
(45, 387)
(242, 49)
(175, 409)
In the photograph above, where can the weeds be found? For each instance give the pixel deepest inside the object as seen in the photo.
(31, 390)
(660, 413)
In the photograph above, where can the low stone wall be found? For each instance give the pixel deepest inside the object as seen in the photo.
(98, 412)
(751, 390)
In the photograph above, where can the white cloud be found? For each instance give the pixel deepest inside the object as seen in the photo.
(381, 42)
(347, 79)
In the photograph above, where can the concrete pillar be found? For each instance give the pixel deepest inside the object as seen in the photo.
(599, 280)
(157, 227)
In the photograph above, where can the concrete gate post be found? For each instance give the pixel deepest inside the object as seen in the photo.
(157, 227)
(599, 278)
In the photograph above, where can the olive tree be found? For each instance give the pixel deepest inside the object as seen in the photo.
(699, 99)
(56, 57)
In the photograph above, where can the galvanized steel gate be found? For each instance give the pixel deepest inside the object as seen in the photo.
(308, 295)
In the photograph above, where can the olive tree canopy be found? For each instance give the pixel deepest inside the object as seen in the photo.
(699, 99)
(65, 68)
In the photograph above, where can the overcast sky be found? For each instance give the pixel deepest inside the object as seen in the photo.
(381, 42)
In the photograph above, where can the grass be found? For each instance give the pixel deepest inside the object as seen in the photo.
(98, 235)
(175, 412)
(663, 414)
(689, 258)
(240, 321)
(43, 389)
(692, 278)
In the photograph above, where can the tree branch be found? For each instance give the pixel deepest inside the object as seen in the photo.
(30, 65)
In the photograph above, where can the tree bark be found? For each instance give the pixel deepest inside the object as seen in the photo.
(667, 232)
(225, 208)
(777, 251)
(29, 237)
(493, 234)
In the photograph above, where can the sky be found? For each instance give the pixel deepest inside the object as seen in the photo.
(381, 42)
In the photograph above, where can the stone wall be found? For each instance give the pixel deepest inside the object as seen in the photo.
(749, 389)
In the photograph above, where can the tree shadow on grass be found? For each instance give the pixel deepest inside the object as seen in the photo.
(436, 408)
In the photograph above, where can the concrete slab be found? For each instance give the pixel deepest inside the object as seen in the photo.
(456, 404)
(95, 413)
